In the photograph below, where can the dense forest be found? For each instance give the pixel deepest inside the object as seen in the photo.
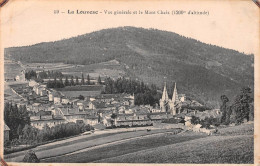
(144, 94)
(20, 115)
(56, 79)
(202, 71)
(31, 74)
(73, 81)
(239, 111)
(21, 132)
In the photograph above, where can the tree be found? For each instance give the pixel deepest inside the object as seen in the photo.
(31, 157)
(42, 75)
(88, 80)
(29, 134)
(20, 130)
(15, 117)
(113, 117)
(195, 120)
(251, 114)
(241, 105)
(55, 82)
(99, 80)
(82, 79)
(72, 81)
(31, 74)
(81, 97)
(61, 85)
(206, 122)
(144, 94)
(223, 108)
(77, 80)
(66, 81)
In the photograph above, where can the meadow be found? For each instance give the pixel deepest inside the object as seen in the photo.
(186, 147)
(11, 70)
(126, 148)
(215, 149)
(222, 148)
(82, 142)
(49, 66)
(74, 94)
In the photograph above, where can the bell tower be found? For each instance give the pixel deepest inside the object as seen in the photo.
(164, 100)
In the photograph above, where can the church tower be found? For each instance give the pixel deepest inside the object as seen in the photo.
(169, 105)
(174, 101)
(164, 100)
(175, 97)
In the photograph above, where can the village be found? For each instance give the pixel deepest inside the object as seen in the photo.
(48, 106)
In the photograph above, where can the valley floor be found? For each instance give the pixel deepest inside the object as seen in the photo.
(231, 145)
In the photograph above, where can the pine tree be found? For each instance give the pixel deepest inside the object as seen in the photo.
(241, 105)
(72, 81)
(82, 79)
(88, 80)
(61, 83)
(99, 80)
(55, 82)
(223, 108)
(67, 81)
(15, 117)
(77, 80)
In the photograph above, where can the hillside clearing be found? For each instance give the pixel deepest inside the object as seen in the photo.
(52, 151)
(187, 147)
(131, 146)
(215, 149)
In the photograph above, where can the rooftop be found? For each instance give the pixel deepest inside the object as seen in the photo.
(6, 128)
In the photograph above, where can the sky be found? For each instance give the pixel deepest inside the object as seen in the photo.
(230, 24)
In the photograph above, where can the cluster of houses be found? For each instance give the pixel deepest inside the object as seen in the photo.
(58, 108)
(52, 107)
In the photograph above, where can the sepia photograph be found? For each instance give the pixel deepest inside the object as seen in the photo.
(129, 82)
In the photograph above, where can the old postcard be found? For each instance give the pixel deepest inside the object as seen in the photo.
(106, 82)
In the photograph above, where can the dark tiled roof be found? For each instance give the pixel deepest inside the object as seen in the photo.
(44, 113)
(43, 120)
(136, 120)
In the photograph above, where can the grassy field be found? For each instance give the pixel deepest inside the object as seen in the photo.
(215, 149)
(245, 129)
(12, 70)
(231, 145)
(49, 66)
(126, 148)
(83, 93)
(81, 88)
(104, 69)
(9, 95)
(57, 144)
(75, 91)
(69, 147)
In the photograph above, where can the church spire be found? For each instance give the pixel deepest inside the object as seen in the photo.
(175, 97)
(165, 96)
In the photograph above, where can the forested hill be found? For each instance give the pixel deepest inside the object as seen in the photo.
(201, 70)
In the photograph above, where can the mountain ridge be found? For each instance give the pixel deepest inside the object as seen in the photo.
(203, 71)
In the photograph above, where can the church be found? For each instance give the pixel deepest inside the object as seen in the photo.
(167, 104)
